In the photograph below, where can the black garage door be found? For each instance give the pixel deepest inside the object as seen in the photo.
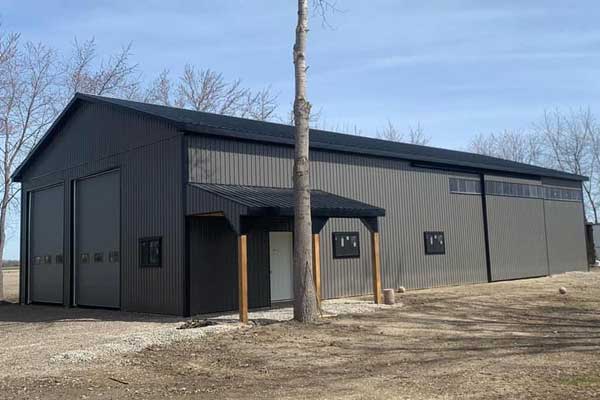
(46, 210)
(97, 222)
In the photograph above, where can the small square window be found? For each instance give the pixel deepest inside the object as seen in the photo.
(346, 245)
(113, 256)
(59, 258)
(37, 260)
(47, 259)
(150, 252)
(453, 184)
(435, 243)
(84, 258)
(98, 257)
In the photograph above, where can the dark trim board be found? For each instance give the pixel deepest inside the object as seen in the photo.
(187, 283)
(486, 230)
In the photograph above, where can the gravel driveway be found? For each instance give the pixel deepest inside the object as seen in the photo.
(517, 340)
(35, 339)
(45, 340)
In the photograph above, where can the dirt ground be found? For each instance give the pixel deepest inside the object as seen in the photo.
(11, 285)
(516, 340)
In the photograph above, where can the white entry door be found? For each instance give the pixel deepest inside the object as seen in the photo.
(280, 256)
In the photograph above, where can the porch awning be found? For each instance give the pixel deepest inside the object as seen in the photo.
(235, 201)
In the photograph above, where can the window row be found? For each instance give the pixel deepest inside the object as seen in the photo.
(532, 191)
(113, 257)
(47, 259)
(497, 188)
(553, 193)
(465, 186)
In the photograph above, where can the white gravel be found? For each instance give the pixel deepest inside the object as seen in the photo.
(330, 308)
(134, 342)
(162, 334)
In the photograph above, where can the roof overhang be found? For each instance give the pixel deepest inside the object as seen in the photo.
(236, 201)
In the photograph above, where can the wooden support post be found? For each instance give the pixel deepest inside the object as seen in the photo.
(316, 247)
(376, 267)
(243, 277)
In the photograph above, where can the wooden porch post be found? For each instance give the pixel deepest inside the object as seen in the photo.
(316, 245)
(243, 277)
(376, 267)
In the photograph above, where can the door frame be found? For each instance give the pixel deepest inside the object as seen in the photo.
(271, 301)
(27, 269)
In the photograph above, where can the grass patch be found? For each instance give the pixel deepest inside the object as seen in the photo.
(581, 380)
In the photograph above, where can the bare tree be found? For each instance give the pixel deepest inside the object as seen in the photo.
(415, 135)
(160, 90)
(83, 72)
(514, 145)
(259, 105)
(208, 91)
(571, 146)
(305, 300)
(390, 132)
(26, 108)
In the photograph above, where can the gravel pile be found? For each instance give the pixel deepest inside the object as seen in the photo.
(130, 343)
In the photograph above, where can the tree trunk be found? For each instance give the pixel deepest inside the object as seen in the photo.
(305, 301)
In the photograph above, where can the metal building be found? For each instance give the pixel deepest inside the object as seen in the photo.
(148, 208)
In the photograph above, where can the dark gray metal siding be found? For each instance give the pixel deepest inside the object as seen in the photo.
(517, 238)
(213, 266)
(148, 154)
(415, 200)
(517, 234)
(566, 236)
(535, 237)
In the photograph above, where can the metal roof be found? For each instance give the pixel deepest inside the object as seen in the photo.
(246, 129)
(273, 201)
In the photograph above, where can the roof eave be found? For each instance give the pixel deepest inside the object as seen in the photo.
(222, 132)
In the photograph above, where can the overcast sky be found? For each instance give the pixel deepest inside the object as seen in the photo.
(456, 67)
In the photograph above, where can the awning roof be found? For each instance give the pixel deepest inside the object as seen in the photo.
(259, 200)
(236, 201)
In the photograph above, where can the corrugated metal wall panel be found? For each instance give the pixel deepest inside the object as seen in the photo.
(416, 200)
(517, 237)
(148, 154)
(596, 237)
(566, 236)
(213, 266)
(534, 237)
